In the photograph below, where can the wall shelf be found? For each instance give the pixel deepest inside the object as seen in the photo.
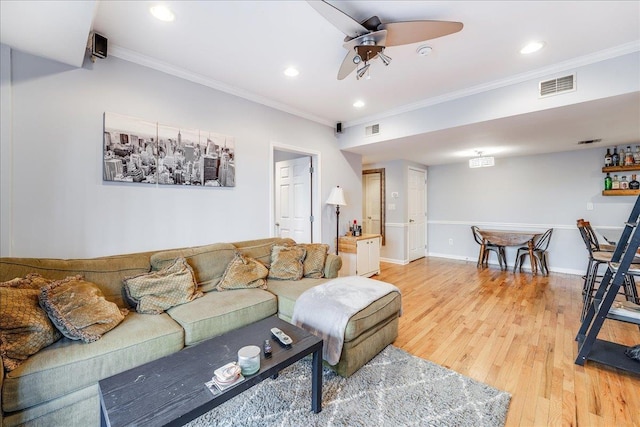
(620, 192)
(606, 169)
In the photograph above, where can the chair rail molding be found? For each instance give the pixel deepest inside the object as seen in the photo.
(512, 225)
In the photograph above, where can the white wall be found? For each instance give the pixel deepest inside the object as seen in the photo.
(62, 208)
(5, 150)
(533, 192)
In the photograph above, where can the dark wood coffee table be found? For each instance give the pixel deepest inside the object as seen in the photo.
(171, 390)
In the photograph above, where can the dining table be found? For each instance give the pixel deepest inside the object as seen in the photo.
(514, 238)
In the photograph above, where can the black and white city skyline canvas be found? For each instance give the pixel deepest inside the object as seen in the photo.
(140, 151)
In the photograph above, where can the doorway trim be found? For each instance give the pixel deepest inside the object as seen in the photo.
(316, 203)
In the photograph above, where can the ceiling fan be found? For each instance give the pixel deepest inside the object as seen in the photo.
(367, 40)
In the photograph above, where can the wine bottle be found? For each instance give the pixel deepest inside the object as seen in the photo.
(607, 158)
(636, 155)
(607, 182)
(634, 184)
(615, 158)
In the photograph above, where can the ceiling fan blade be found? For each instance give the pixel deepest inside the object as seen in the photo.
(407, 32)
(339, 19)
(348, 65)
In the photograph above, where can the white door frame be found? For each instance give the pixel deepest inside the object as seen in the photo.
(316, 210)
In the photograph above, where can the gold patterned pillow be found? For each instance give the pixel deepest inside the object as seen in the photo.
(155, 292)
(243, 273)
(25, 328)
(79, 309)
(316, 256)
(30, 281)
(286, 262)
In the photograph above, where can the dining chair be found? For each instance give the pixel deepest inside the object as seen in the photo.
(486, 247)
(597, 258)
(539, 252)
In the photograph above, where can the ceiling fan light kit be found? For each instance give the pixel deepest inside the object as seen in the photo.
(368, 39)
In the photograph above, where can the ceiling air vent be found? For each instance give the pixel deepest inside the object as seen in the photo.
(557, 86)
(372, 130)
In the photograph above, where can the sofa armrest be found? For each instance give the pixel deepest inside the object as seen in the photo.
(332, 266)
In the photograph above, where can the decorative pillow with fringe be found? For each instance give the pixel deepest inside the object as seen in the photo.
(79, 309)
(316, 256)
(25, 328)
(286, 262)
(155, 292)
(243, 273)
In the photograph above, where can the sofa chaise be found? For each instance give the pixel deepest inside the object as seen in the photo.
(58, 385)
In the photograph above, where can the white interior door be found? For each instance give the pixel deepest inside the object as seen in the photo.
(293, 199)
(417, 213)
(371, 204)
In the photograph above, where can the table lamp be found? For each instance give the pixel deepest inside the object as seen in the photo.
(337, 198)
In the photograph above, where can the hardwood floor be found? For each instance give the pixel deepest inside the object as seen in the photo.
(516, 332)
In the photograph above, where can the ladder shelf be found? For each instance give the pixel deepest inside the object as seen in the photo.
(619, 269)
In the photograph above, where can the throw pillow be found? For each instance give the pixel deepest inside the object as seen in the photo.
(155, 292)
(79, 309)
(30, 281)
(25, 328)
(286, 263)
(316, 256)
(243, 273)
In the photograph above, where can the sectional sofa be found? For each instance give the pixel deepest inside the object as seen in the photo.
(58, 386)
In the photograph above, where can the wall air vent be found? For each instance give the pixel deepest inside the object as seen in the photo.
(557, 86)
(372, 130)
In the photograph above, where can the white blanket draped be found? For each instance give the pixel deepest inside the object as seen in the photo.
(324, 310)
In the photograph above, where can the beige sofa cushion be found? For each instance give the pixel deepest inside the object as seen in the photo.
(378, 311)
(209, 262)
(106, 272)
(261, 249)
(67, 365)
(219, 312)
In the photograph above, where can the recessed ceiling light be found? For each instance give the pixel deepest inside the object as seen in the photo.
(162, 13)
(358, 104)
(532, 47)
(291, 72)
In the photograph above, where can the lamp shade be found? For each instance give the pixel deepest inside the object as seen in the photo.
(336, 197)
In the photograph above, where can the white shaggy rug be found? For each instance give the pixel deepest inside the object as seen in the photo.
(393, 389)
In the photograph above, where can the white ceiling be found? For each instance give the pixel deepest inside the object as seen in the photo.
(242, 47)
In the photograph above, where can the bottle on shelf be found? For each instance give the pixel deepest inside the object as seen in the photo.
(628, 157)
(620, 157)
(607, 182)
(636, 155)
(624, 184)
(607, 158)
(615, 157)
(615, 183)
(634, 184)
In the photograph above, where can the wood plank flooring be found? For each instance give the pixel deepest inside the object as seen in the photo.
(515, 332)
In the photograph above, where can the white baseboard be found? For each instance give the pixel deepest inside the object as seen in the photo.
(395, 261)
(525, 268)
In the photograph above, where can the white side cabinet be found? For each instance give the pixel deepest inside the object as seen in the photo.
(360, 255)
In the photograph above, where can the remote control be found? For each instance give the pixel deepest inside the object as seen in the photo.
(281, 336)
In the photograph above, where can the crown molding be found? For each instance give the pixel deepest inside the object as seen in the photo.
(519, 78)
(149, 62)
